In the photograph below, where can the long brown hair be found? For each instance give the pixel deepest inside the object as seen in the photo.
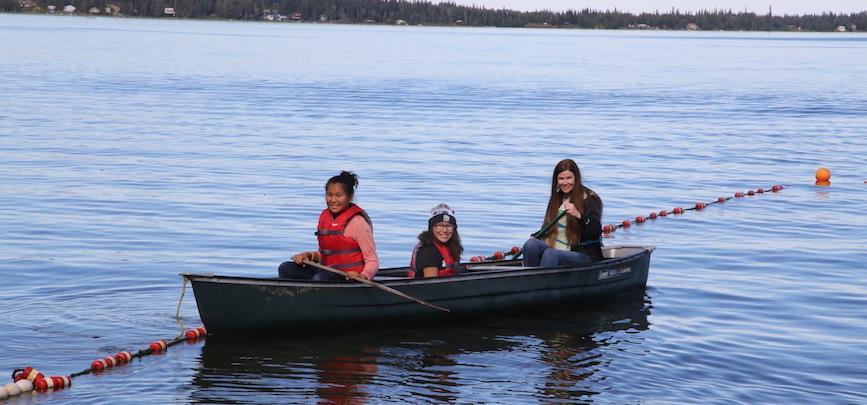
(577, 196)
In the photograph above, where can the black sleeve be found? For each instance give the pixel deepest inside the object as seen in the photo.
(591, 221)
(427, 256)
(592, 227)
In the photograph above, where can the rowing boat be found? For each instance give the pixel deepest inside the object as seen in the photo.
(240, 305)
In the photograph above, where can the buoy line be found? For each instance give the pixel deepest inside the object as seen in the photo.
(30, 379)
(608, 229)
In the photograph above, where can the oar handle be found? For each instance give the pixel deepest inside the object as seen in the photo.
(548, 226)
(373, 284)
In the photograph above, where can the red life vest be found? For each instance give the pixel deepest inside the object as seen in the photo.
(448, 267)
(338, 250)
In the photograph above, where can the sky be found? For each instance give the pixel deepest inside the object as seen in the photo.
(778, 7)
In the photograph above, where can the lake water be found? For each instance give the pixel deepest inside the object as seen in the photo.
(133, 150)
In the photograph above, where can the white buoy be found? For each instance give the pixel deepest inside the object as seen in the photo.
(3, 393)
(25, 386)
(13, 389)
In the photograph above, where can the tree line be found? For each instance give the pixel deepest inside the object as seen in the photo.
(426, 13)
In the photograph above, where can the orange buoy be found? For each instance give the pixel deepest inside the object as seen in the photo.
(515, 250)
(823, 174)
(626, 223)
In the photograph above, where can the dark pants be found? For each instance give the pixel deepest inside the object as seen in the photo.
(292, 270)
(537, 253)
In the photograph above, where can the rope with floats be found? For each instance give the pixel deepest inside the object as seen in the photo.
(608, 229)
(30, 379)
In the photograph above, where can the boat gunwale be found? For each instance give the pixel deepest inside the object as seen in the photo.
(467, 276)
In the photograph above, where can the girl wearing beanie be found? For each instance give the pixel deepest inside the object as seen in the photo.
(438, 252)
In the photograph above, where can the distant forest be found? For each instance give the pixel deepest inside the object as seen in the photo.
(445, 14)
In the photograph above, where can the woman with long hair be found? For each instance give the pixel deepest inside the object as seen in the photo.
(345, 235)
(574, 239)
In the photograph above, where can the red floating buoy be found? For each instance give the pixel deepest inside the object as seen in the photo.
(194, 334)
(652, 215)
(515, 250)
(639, 219)
(739, 194)
(778, 187)
(97, 365)
(474, 259)
(677, 210)
(663, 213)
(626, 223)
(609, 228)
(498, 255)
(700, 206)
(123, 357)
(721, 200)
(29, 373)
(54, 382)
(760, 191)
(751, 192)
(158, 346)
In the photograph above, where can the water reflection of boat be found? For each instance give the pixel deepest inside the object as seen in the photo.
(244, 304)
(562, 349)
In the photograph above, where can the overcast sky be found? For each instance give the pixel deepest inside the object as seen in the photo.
(757, 6)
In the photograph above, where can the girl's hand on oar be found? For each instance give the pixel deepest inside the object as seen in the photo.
(353, 274)
(571, 210)
(301, 257)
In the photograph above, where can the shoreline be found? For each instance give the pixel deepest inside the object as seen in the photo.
(691, 27)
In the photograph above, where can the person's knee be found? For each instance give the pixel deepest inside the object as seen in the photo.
(549, 258)
(292, 270)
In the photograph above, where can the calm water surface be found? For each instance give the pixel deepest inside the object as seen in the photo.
(133, 150)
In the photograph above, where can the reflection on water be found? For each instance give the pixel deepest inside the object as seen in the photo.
(560, 353)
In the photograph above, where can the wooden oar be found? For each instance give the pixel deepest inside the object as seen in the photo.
(548, 226)
(373, 284)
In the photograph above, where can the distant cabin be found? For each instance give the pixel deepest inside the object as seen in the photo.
(692, 27)
(841, 28)
(69, 9)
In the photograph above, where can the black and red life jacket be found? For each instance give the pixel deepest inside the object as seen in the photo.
(448, 267)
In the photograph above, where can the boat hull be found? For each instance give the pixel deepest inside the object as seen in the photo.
(241, 305)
